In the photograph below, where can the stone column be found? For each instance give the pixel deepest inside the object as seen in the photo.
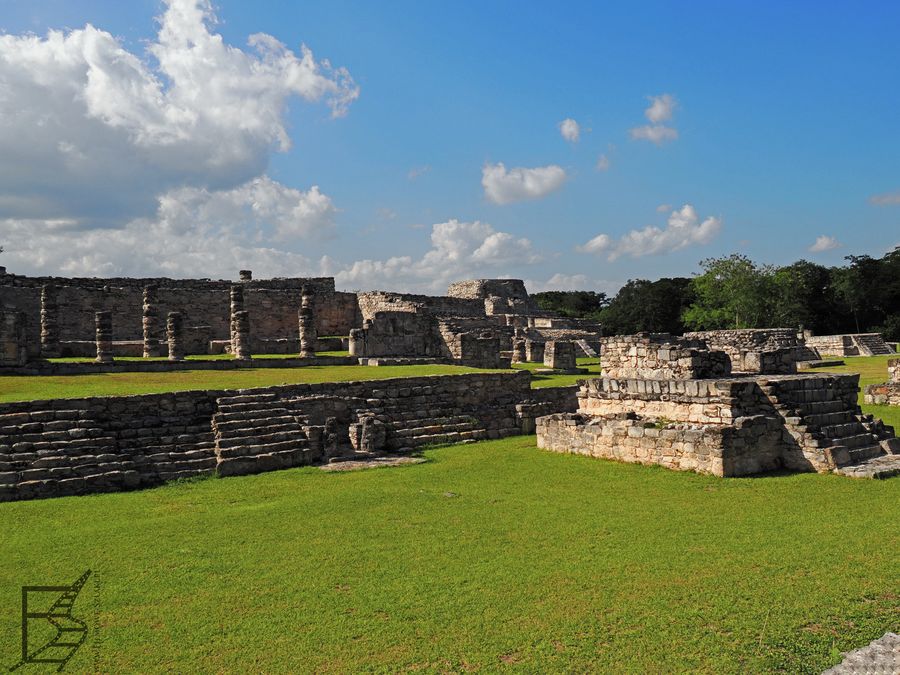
(307, 323)
(175, 336)
(518, 351)
(559, 355)
(240, 341)
(150, 322)
(103, 321)
(49, 322)
(237, 305)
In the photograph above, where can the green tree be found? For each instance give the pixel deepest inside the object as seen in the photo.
(654, 306)
(581, 304)
(732, 292)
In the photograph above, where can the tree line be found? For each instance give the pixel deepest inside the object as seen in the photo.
(861, 296)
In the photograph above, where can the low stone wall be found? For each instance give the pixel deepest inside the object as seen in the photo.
(751, 445)
(76, 446)
(660, 356)
(767, 350)
(886, 393)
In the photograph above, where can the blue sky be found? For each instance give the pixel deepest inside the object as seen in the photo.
(786, 120)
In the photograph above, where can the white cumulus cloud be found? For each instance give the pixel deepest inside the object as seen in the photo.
(570, 130)
(458, 250)
(503, 186)
(93, 133)
(659, 111)
(824, 243)
(683, 228)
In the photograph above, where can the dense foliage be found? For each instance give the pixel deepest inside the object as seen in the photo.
(734, 292)
(584, 304)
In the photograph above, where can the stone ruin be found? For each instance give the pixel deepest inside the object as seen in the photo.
(854, 344)
(887, 393)
(675, 402)
(475, 324)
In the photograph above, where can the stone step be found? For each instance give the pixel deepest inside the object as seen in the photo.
(261, 439)
(865, 452)
(261, 449)
(841, 430)
(407, 432)
(821, 420)
(883, 466)
(250, 413)
(229, 426)
(857, 441)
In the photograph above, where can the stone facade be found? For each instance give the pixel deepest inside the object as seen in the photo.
(660, 356)
(75, 446)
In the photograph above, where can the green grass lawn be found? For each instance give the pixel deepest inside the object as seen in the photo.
(492, 556)
(29, 388)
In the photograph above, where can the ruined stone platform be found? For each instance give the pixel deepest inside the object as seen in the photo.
(400, 361)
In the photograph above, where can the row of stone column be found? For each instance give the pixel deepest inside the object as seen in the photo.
(104, 342)
(240, 327)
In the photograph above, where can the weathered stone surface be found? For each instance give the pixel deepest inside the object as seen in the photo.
(104, 337)
(175, 336)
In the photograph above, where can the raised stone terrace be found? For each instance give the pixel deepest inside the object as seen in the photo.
(664, 401)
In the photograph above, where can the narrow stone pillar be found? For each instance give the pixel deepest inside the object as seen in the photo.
(150, 322)
(246, 275)
(518, 351)
(237, 305)
(241, 342)
(175, 336)
(50, 347)
(103, 321)
(307, 323)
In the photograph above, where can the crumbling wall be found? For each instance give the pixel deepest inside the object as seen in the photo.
(767, 350)
(373, 302)
(407, 334)
(272, 304)
(75, 446)
(660, 356)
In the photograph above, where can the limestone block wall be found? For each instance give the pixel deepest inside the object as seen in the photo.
(750, 446)
(75, 446)
(661, 356)
(398, 333)
(500, 296)
(768, 350)
(373, 302)
(272, 304)
(887, 393)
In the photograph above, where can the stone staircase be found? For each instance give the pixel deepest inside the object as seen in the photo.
(589, 351)
(871, 344)
(258, 432)
(47, 453)
(822, 417)
(407, 430)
